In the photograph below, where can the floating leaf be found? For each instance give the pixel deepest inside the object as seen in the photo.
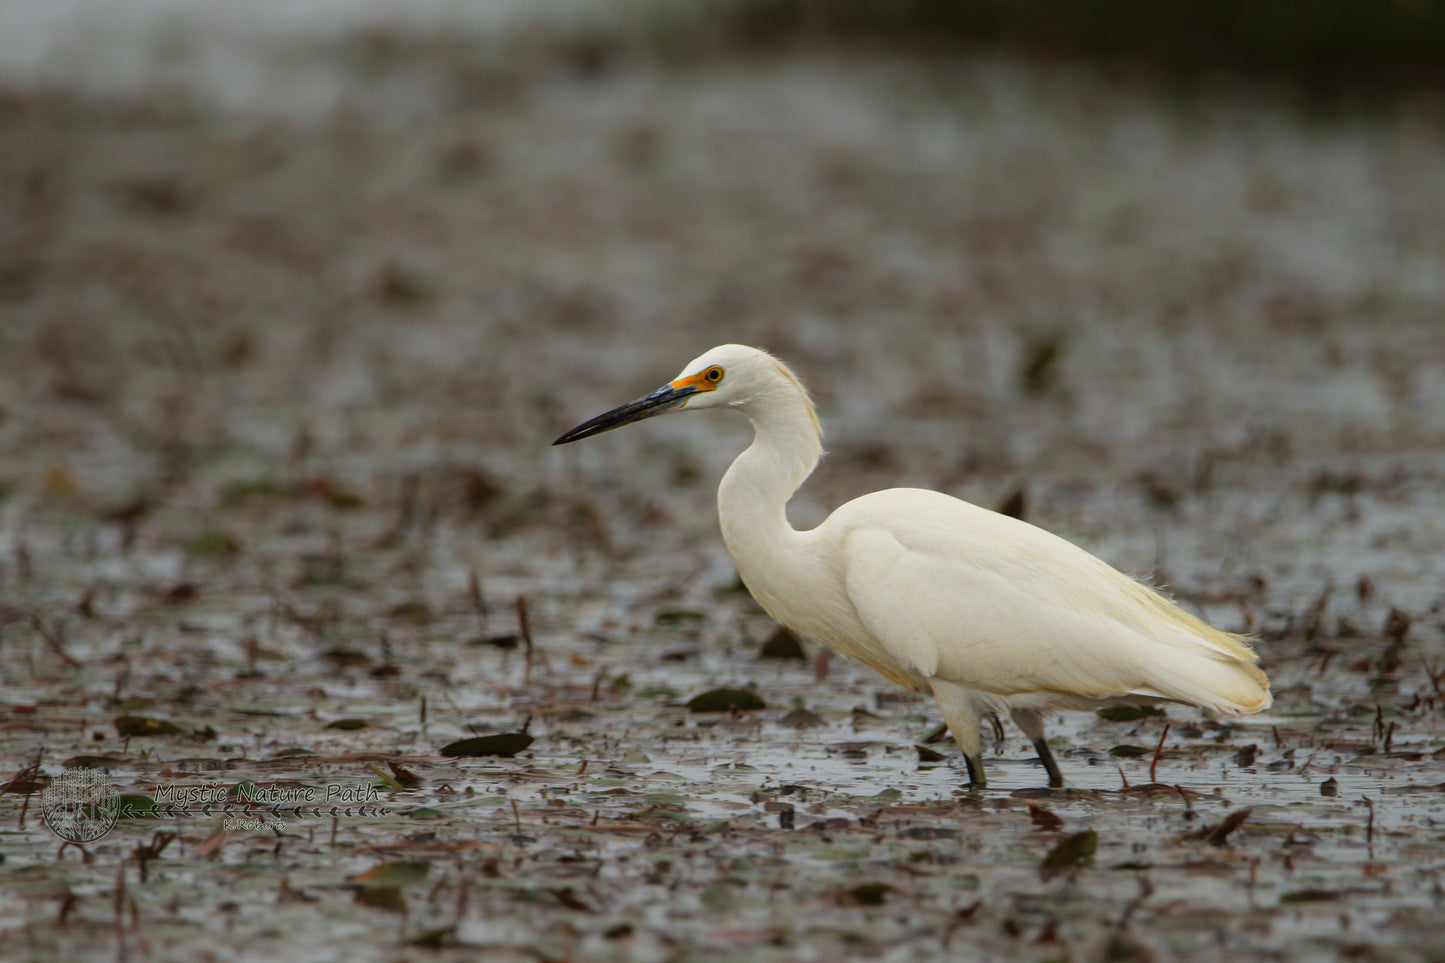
(343, 656)
(246, 489)
(387, 898)
(1330, 787)
(1070, 852)
(508, 641)
(925, 754)
(726, 700)
(1039, 366)
(1045, 819)
(399, 286)
(412, 611)
(1128, 752)
(867, 894)
(1123, 949)
(506, 744)
(1129, 713)
(782, 644)
(404, 776)
(180, 593)
(1311, 896)
(929, 832)
(334, 494)
(568, 897)
(434, 939)
(802, 719)
(145, 726)
(937, 734)
(346, 725)
(212, 542)
(103, 761)
(1218, 834)
(400, 872)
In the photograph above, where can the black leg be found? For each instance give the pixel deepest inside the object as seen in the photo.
(976, 778)
(1046, 756)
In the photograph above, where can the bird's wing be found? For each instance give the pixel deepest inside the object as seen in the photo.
(963, 594)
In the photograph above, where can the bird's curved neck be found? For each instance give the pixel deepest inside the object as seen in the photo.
(754, 493)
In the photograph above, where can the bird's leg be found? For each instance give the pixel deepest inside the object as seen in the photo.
(1046, 756)
(976, 778)
(1033, 726)
(962, 715)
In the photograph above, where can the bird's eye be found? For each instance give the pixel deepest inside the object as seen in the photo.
(713, 375)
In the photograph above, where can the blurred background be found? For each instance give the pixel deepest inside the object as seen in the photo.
(278, 278)
(294, 297)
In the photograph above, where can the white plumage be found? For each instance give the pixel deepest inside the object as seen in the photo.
(989, 613)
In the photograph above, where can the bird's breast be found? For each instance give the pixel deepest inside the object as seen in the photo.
(813, 603)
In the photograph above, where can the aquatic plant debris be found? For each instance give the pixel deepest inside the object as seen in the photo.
(294, 310)
(1218, 834)
(1069, 853)
(145, 726)
(505, 744)
(726, 700)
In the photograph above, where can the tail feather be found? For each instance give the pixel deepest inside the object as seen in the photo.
(1221, 671)
(1212, 680)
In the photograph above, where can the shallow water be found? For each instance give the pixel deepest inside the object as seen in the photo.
(277, 381)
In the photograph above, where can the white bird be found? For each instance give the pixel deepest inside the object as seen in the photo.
(989, 613)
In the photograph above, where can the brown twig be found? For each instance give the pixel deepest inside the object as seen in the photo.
(1157, 750)
(524, 628)
(1188, 807)
(478, 600)
(1436, 678)
(54, 641)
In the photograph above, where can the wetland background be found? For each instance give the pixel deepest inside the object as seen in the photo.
(293, 302)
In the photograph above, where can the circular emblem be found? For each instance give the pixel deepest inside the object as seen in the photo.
(80, 805)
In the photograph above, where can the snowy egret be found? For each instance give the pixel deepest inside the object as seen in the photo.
(989, 613)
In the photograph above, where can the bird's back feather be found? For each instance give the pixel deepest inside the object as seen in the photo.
(952, 591)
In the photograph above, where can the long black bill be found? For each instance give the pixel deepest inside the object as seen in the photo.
(662, 400)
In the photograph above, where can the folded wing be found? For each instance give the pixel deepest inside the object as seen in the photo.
(960, 593)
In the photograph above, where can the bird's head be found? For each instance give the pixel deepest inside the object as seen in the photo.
(730, 375)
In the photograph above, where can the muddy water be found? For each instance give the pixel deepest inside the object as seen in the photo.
(277, 380)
